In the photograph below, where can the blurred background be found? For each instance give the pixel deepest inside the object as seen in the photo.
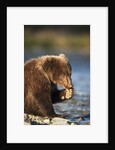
(74, 42)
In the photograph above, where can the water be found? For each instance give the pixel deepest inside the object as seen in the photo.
(79, 105)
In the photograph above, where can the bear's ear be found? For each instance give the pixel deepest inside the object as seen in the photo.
(62, 55)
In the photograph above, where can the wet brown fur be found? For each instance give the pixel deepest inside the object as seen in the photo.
(41, 76)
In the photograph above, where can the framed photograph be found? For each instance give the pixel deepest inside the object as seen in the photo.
(60, 56)
(57, 74)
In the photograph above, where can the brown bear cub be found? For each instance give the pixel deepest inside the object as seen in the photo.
(41, 77)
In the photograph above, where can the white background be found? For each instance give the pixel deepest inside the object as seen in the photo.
(97, 18)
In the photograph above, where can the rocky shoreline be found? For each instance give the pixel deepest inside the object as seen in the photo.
(37, 120)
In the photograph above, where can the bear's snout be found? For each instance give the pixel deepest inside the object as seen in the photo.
(71, 87)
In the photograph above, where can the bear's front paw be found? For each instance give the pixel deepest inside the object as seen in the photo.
(68, 94)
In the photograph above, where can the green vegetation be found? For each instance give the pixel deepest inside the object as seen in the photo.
(55, 37)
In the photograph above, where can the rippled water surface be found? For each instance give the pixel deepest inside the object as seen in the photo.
(80, 104)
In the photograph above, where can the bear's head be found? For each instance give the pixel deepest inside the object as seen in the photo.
(58, 70)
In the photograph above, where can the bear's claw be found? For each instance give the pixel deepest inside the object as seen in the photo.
(68, 94)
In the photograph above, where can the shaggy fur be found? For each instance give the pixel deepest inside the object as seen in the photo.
(41, 76)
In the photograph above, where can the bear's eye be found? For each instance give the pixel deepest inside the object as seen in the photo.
(69, 74)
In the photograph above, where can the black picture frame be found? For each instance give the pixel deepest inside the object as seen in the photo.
(3, 35)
